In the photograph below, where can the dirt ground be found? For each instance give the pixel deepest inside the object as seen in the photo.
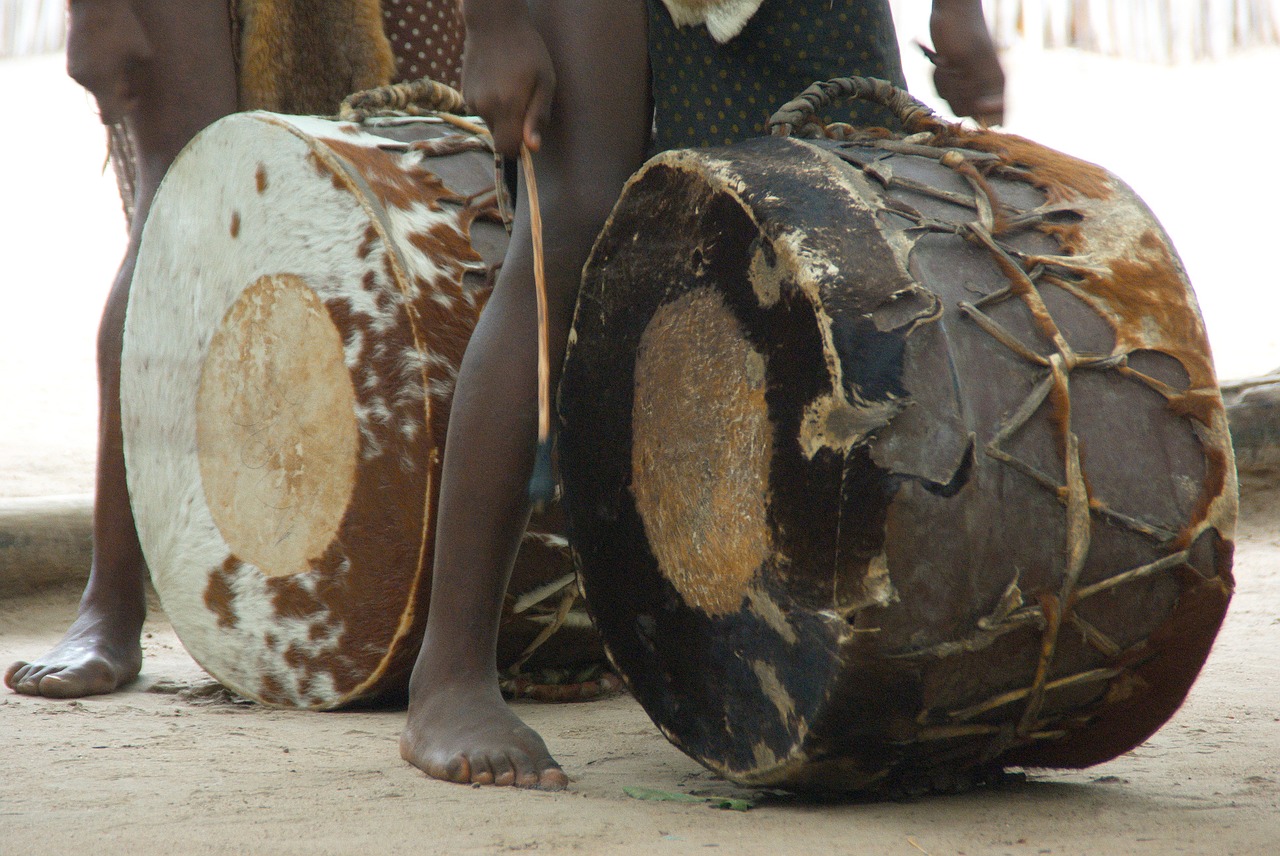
(173, 766)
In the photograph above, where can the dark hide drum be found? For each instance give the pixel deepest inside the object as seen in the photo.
(892, 461)
(304, 292)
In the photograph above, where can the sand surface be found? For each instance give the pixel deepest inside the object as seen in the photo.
(167, 767)
(171, 767)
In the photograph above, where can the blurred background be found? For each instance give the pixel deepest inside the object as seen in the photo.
(1177, 97)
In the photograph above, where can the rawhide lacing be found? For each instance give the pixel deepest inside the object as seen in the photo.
(994, 222)
(427, 97)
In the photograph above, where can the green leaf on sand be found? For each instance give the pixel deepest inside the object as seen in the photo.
(730, 803)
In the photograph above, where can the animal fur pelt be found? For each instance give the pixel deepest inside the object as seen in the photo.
(724, 18)
(305, 56)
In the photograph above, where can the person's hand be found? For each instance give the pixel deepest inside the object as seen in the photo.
(967, 72)
(507, 76)
(107, 53)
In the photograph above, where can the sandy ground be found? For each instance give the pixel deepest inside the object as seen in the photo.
(165, 768)
(170, 767)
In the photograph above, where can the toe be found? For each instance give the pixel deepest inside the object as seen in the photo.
(14, 674)
(504, 773)
(66, 685)
(526, 772)
(457, 770)
(552, 779)
(91, 678)
(32, 676)
(481, 771)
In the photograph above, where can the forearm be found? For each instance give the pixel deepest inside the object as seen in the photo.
(491, 14)
(963, 7)
(960, 16)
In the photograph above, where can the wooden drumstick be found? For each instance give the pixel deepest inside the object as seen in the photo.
(542, 484)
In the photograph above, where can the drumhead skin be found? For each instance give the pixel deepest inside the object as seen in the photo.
(302, 299)
(893, 462)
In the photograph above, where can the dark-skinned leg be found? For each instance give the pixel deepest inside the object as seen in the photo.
(459, 728)
(173, 75)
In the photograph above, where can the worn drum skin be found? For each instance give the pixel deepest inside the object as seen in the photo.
(893, 461)
(303, 296)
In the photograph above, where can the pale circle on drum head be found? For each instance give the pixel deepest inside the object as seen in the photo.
(276, 434)
(704, 503)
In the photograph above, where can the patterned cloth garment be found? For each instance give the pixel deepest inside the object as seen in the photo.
(426, 37)
(707, 93)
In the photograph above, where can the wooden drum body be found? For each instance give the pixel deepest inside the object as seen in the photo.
(302, 299)
(890, 462)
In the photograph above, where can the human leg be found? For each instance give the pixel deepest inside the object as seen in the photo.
(458, 726)
(175, 74)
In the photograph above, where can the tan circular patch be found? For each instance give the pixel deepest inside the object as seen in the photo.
(275, 427)
(701, 447)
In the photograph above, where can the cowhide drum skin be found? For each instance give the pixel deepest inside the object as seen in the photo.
(891, 462)
(303, 295)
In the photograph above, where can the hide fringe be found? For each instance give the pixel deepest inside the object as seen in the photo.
(724, 18)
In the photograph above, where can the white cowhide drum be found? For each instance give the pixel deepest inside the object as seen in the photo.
(302, 299)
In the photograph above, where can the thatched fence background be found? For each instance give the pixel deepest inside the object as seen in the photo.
(1165, 31)
(32, 26)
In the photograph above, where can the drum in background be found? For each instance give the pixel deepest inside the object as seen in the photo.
(892, 461)
(303, 295)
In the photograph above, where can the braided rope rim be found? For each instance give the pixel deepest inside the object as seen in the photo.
(413, 97)
(796, 117)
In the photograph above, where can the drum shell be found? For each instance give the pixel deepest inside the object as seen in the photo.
(303, 296)
(966, 545)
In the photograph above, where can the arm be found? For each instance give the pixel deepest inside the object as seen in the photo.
(968, 73)
(106, 50)
(507, 76)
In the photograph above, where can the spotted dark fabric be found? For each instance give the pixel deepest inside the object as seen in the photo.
(707, 93)
(426, 38)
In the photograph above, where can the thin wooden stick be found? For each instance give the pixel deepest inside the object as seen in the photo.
(541, 484)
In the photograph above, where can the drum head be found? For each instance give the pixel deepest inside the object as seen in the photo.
(302, 298)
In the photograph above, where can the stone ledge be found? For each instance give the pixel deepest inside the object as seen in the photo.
(44, 541)
(1253, 413)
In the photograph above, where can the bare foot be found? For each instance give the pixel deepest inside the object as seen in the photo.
(100, 653)
(467, 734)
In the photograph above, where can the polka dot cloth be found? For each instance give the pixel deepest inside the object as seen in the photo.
(426, 37)
(706, 93)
